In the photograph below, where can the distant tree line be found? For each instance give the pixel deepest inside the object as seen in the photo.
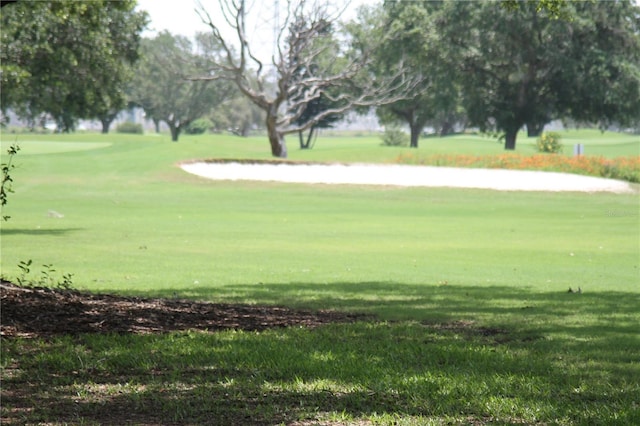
(498, 66)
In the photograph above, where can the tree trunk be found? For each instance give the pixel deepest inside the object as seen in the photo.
(534, 129)
(446, 128)
(156, 124)
(244, 130)
(306, 144)
(510, 139)
(276, 138)
(106, 123)
(175, 132)
(415, 135)
(310, 136)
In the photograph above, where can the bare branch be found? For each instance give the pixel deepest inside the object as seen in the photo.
(206, 18)
(309, 64)
(374, 93)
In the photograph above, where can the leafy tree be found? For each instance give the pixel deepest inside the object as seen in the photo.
(7, 180)
(414, 38)
(555, 8)
(238, 115)
(603, 63)
(160, 86)
(315, 108)
(311, 69)
(342, 82)
(68, 59)
(524, 66)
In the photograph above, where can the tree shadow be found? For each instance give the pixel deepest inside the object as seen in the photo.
(601, 326)
(296, 375)
(445, 302)
(475, 354)
(35, 232)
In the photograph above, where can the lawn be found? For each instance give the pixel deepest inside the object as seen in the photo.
(475, 324)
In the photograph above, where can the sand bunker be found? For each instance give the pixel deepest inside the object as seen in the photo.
(403, 175)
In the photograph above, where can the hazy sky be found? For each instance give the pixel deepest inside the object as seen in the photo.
(167, 15)
(183, 19)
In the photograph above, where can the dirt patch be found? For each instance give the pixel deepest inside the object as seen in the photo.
(39, 312)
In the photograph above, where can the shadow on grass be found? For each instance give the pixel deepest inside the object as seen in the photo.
(468, 354)
(492, 305)
(591, 323)
(355, 371)
(54, 232)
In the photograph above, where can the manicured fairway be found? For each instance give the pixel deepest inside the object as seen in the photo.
(134, 222)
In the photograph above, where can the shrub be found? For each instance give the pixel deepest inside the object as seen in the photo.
(394, 136)
(7, 180)
(549, 142)
(199, 126)
(129, 127)
(46, 278)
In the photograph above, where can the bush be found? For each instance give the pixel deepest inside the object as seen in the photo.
(199, 126)
(549, 142)
(394, 136)
(129, 127)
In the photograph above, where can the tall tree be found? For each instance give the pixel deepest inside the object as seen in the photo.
(313, 109)
(237, 115)
(68, 59)
(342, 81)
(161, 89)
(524, 66)
(311, 69)
(603, 63)
(414, 37)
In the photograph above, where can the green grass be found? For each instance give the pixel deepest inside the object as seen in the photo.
(607, 144)
(470, 286)
(387, 373)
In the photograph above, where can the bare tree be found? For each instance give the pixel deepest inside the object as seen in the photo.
(303, 43)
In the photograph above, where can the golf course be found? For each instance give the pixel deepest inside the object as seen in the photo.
(464, 306)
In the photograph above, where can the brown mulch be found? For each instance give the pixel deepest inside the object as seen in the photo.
(41, 312)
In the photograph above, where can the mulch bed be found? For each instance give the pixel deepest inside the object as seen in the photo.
(41, 312)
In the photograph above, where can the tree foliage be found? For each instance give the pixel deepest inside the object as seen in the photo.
(312, 69)
(414, 39)
(6, 185)
(161, 88)
(555, 8)
(237, 115)
(524, 66)
(603, 63)
(68, 59)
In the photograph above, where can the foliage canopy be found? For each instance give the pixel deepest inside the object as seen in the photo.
(524, 67)
(161, 86)
(518, 63)
(68, 59)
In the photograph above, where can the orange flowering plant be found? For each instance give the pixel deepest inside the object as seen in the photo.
(623, 168)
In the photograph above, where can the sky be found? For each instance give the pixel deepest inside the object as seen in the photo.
(183, 19)
(166, 15)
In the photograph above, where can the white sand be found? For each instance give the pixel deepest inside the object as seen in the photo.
(401, 175)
